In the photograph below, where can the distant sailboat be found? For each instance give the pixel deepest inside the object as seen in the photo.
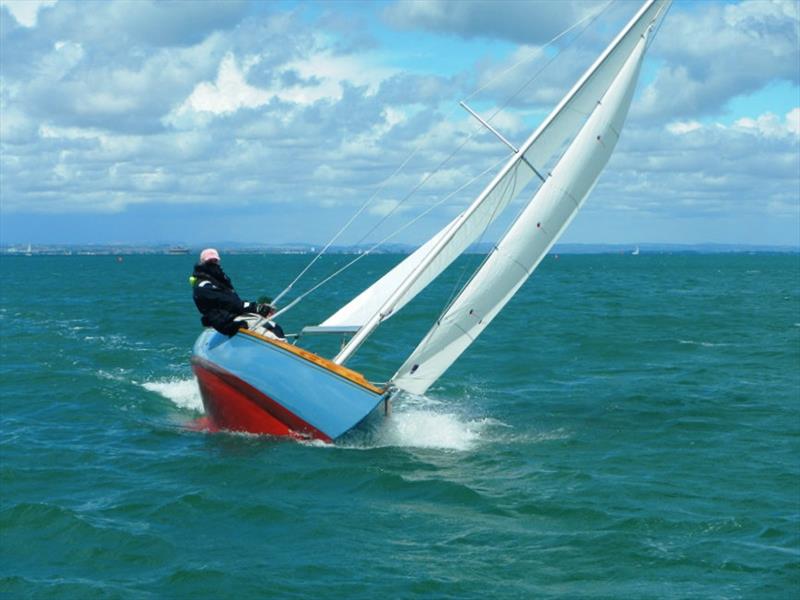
(29, 251)
(255, 383)
(636, 252)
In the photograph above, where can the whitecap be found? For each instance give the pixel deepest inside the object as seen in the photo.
(420, 422)
(184, 393)
(119, 376)
(430, 429)
(703, 344)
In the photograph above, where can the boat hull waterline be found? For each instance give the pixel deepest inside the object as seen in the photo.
(255, 384)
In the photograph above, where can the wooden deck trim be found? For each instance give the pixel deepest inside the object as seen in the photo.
(318, 360)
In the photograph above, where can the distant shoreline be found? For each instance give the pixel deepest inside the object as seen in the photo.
(401, 249)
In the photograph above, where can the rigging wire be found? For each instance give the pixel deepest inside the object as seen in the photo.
(658, 27)
(431, 174)
(388, 237)
(592, 16)
(346, 225)
(457, 286)
(419, 186)
(426, 340)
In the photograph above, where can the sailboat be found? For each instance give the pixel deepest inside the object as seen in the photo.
(253, 382)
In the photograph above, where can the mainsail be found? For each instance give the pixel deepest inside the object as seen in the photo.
(519, 252)
(390, 293)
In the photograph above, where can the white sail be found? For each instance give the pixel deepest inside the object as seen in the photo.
(461, 231)
(529, 238)
(358, 311)
(380, 300)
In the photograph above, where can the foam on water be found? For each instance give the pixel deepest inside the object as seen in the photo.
(429, 429)
(184, 393)
(420, 422)
(704, 344)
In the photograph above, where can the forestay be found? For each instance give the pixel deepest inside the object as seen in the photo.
(530, 237)
(381, 299)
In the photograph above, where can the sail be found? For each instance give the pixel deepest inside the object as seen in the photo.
(428, 262)
(462, 231)
(527, 241)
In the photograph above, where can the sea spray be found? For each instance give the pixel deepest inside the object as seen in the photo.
(184, 393)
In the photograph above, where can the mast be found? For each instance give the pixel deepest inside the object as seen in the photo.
(388, 306)
(533, 233)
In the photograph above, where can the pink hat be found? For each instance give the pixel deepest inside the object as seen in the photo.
(209, 254)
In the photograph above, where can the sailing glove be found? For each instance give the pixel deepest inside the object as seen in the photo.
(265, 310)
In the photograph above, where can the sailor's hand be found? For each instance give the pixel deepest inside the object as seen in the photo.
(265, 309)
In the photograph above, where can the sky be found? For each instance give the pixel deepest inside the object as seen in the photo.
(142, 122)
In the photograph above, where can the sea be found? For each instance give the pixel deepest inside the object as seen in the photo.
(628, 427)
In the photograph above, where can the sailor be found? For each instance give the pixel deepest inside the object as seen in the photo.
(217, 301)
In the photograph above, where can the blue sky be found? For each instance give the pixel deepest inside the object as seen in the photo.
(204, 122)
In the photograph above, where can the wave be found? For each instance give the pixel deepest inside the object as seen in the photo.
(184, 393)
(703, 344)
(430, 429)
(419, 422)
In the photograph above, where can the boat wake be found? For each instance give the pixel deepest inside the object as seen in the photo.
(419, 422)
(429, 429)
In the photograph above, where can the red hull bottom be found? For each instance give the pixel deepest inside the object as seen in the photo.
(233, 404)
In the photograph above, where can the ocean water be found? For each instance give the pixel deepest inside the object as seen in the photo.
(629, 427)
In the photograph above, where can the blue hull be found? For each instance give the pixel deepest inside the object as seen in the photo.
(252, 383)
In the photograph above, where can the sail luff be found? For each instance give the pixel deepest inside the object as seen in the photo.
(528, 240)
(600, 60)
(422, 266)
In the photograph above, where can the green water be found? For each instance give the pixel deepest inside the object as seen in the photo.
(629, 427)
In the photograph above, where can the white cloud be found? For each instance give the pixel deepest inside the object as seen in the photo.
(26, 12)
(47, 131)
(382, 208)
(744, 15)
(519, 20)
(322, 75)
(682, 127)
(66, 55)
(713, 52)
(771, 126)
(280, 111)
(228, 93)
(793, 121)
(332, 71)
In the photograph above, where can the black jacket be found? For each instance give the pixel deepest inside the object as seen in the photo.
(217, 301)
